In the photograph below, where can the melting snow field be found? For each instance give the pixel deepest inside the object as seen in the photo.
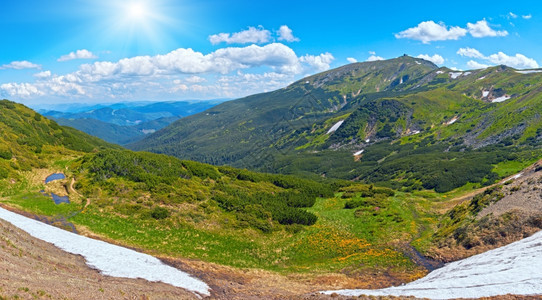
(454, 75)
(500, 99)
(512, 269)
(335, 127)
(107, 258)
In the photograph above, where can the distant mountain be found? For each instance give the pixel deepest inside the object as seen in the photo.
(403, 123)
(115, 133)
(122, 123)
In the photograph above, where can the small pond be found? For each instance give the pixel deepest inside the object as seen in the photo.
(54, 176)
(56, 198)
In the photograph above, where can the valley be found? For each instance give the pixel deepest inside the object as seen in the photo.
(399, 167)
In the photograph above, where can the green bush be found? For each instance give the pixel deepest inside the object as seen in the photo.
(159, 213)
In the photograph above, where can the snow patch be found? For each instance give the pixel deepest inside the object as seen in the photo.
(418, 63)
(512, 269)
(454, 75)
(109, 259)
(359, 152)
(452, 121)
(516, 176)
(367, 140)
(335, 127)
(501, 99)
(440, 72)
(415, 132)
(483, 77)
(528, 71)
(485, 94)
(467, 73)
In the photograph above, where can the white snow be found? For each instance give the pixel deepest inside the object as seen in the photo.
(512, 269)
(307, 82)
(440, 72)
(417, 62)
(454, 75)
(467, 73)
(483, 77)
(359, 152)
(517, 176)
(452, 121)
(485, 94)
(335, 127)
(501, 99)
(109, 259)
(367, 140)
(529, 71)
(415, 132)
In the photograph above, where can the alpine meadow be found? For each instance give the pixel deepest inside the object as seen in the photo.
(258, 150)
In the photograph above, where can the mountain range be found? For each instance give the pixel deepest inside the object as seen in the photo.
(366, 176)
(122, 123)
(402, 123)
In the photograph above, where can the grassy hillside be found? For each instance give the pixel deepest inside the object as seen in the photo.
(401, 123)
(28, 140)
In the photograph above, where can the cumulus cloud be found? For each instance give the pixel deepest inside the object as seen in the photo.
(179, 71)
(481, 29)
(430, 31)
(512, 15)
(351, 60)
(19, 65)
(251, 35)
(44, 74)
(374, 57)
(476, 65)
(285, 34)
(470, 52)
(518, 61)
(195, 79)
(319, 62)
(79, 54)
(21, 89)
(436, 59)
(527, 17)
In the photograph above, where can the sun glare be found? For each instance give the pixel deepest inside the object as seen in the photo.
(136, 11)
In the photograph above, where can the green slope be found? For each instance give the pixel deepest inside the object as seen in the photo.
(401, 113)
(28, 140)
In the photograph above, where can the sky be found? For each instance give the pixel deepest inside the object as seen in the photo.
(97, 51)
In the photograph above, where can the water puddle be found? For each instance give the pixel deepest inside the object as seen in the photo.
(54, 176)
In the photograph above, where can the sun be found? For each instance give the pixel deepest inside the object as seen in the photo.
(136, 11)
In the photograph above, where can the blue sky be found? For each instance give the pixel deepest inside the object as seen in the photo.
(113, 50)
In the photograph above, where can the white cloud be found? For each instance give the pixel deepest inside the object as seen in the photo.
(518, 61)
(319, 62)
(527, 17)
(19, 65)
(179, 71)
(285, 34)
(374, 58)
(251, 35)
(20, 89)
(372, 52)
(351, 60)
(195, 79)
(476, 65)
(436, 59)
(470, 52)
(512, 15)
(79, 54)
(430, 31)
(481, 29)
(44, 74)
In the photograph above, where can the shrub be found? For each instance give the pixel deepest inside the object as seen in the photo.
(159, 213)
